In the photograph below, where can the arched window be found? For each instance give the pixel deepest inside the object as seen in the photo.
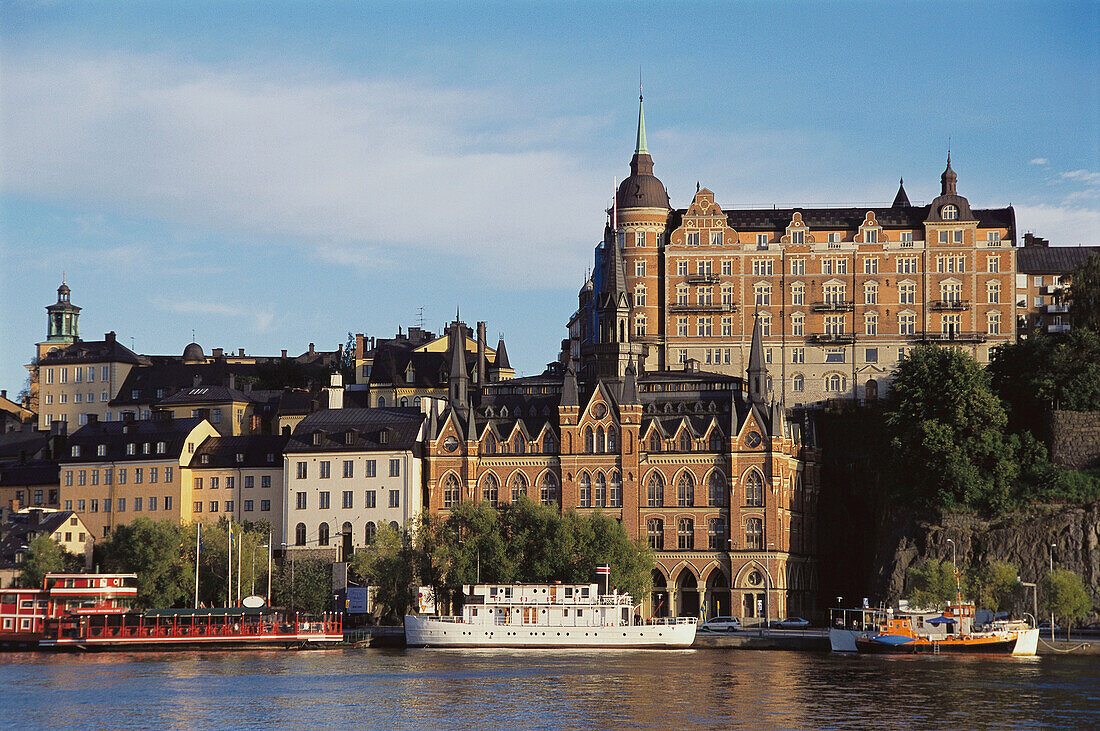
(834, 383)
(716, 441)
(589, 441)
(586, 491)
(490, 444)
(615, 498)
(685, 534)
(601, 491)
(451, 492)
(754, 489)
(322, 534)
(381, 402)
(490, 489)
(798, 383)
(370, 532)
(395, 526)
(655, 533)
(549, 443)
(950, 212)
(404, 402)
(685, 441)
(519, 486)
(716, 490)
(601, 445)
(654, 442)
(521, 444)
(685, 490)
(871, 390)
(548, 491)
(716, 534)
(416, 402)
(300, 534)
(754, 534)
(612, 439)
(655, 491)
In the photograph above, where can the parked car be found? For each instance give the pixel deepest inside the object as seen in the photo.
(721, 624)
(792, 623)
(1046, 626)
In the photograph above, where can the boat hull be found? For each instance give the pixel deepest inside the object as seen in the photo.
(145, 644)
(433, 632)
(966, 646)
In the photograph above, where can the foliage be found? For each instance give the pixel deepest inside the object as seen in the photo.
(249, 560)
(303, 585)
(1066, 596)
(947, 433)
(46, 555)
(932, 584)
(1043, 371)
(995, 586)
(158, 554)
(387, 565)
(1084, 294)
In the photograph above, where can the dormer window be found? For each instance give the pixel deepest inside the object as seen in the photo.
(131, 448)
(316, 438)
(950, 212)
(240, 457)
(204, 459)
(76, 450)
(161, 447)
(384, 436)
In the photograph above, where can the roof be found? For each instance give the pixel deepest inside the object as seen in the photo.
(356, 430)
(777, 219)
(242, 451)
(1051, 259)
(36, 472)
(205, 394)
(94, 351)
(115, 435)
(24, 445)
(23, 527)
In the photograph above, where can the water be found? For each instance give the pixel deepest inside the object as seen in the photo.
(441, 689)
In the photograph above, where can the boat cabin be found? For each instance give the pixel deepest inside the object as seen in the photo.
(550, 605)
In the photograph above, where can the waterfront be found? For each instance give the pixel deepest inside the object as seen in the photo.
(541, 689)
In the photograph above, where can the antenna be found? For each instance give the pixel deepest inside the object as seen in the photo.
(420, 317)
(639, 81)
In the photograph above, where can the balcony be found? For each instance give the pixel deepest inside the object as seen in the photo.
(649, 339)
(1057, 309)
(958, 337)
(841, 306)
(1058, 328)
(833, 338)
(950, 305)
(1056, 290)
(678, 307)
(701, 279)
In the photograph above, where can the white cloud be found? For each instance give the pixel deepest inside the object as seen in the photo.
(1038, 161)
(197, 307)
(1082, 176)
(1064, 225)
(397, 170)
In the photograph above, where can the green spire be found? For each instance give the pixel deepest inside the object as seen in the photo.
(640, 148)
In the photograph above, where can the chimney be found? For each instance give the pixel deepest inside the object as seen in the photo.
(196, 381)
(59, 428)
(93, 419)
(232, 381)
(480, 353)
(311, 349)
(109, 337)
(240, 352)
(127, 417)
(284, 353)
(248, 387)
(217, 353)
(336, 391)
(3, 393)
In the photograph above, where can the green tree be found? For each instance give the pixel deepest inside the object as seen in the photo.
(388, 565)
(947, 433)
(1084, 294)
(932, 584)
(303, 585)
(1047, 371)
(160, 556)
(995, 586)
(249, 560)
(1066, 596)
(44, 555)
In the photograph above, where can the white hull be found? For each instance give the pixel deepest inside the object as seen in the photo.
(428, 631)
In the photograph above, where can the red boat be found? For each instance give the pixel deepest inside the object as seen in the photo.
(24, 613)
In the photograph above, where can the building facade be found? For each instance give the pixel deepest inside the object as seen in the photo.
(1042, 284)
(240, 479)
(841, 293)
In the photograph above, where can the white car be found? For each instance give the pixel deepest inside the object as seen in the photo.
(721, 624)
(792, 623)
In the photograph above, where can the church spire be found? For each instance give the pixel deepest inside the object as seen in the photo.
(640, 148)
(758, 371)
(949, 180)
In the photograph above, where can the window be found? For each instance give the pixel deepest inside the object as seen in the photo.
(548, 491)
(639, 268)
(68, 478)
(639, 295)
(395, 498)
(993, 292)
(167, 502)
(682, 294)
(685, 534)
(323, 501)
(639, 238)
(655, 534)
(950, 212)
(951, 325)
(302, 470)
(655, 490)
(715, 238)
(870, 323)
(300, 534)
(640, 325)
(834, 293)
(347, 503)
(139, 473)
(716, 534)
(727, 268)
(763, 267)
(993, 323)
(993, 264)
(249, 481)
(371, 468)
(395, 468)
(834, 383)
(265, 506)
(248, 504)
(951, 292)
(75, 451)
(682, 268)
(705, 327)
(761, 241)
(490, 489)
(763, 294)
(685, 441)
(754, 489)
(870, 236)
(798, 267)
(326, 467)
(798, 293)
(754, 534)
(834, 325)
(705, 296)
(197, 507)
(109, 474)
(993, 238)
(519, 486)
(870, 293)
(122, 475)
(229, 506)
(798, 355)
(798, 383)
(798, 237)
(907, 323)
(615, 496)
(265, 481)
(907, 265)
(907, 293)
(870, 355)
(727, 327)
(300, 503)
(601, 491)
(716, 490)
(798, 324)
(693, 238)
(907, 239)
(870, 265)
(685, 490)
(214, 483)
(371, 498)
(586, 491)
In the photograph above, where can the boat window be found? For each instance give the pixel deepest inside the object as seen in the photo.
(473, 611)
(508, 592)
(492, 591)
(584, 591)
(568, 592)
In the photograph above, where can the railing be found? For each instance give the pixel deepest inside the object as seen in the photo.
(685, 307)
(960, 337)
(701, 278)
(1057, 309)
(834, 306)
(837, 338)
(1058, 328)
(674, 620)
(950, 304)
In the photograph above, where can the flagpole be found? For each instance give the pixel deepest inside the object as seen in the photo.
(198, 552)
(269, 550)
(229, 589)
(240, 552)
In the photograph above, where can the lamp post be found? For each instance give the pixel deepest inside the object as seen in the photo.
(269, 552)
(1052, 547)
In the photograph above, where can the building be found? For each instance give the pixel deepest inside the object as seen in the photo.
(13, 416)
(239, 478)
(28, 467)
(349, 471)
(841, 293)
(21, 527)
(716, 478)
(1042, 280)
(116, 471)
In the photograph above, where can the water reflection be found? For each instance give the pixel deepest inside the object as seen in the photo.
(543, 689)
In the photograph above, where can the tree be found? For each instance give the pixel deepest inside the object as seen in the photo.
(303, 585)
(387, 565)
(932, 584)
(1084, 294)
(43, 556)
(1066, 596)
(1047, 371)
(995, 586)
(159, 554)
(947, 433)
(248, 538)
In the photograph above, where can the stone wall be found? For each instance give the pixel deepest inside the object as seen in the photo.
(1073, 438)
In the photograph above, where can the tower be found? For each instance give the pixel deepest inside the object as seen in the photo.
(62, 322)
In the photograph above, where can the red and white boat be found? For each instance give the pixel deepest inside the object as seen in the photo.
(24, 613)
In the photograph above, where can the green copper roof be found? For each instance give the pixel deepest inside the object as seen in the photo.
(640, 148)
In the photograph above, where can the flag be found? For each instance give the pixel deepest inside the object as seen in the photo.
(603, 571)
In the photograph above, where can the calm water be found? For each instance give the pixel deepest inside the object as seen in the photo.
(359, 688)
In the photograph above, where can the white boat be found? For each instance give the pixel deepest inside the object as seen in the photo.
(547, 615)
(953, 631)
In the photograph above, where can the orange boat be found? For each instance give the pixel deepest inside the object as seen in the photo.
(897, 635)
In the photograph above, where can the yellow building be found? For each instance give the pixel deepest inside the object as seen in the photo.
(238, 478)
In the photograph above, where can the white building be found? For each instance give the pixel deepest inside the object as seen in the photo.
(349, 471)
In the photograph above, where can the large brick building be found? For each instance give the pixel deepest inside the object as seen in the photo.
(842, 293)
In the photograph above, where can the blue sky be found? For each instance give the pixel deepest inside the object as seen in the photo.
(274, 174)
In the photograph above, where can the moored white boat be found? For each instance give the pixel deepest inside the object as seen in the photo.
(547, 615)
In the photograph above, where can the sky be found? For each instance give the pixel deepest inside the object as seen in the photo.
(269, 175)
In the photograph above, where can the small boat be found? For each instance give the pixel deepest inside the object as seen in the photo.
(548, 616)
(953, 631)
(174, 629)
